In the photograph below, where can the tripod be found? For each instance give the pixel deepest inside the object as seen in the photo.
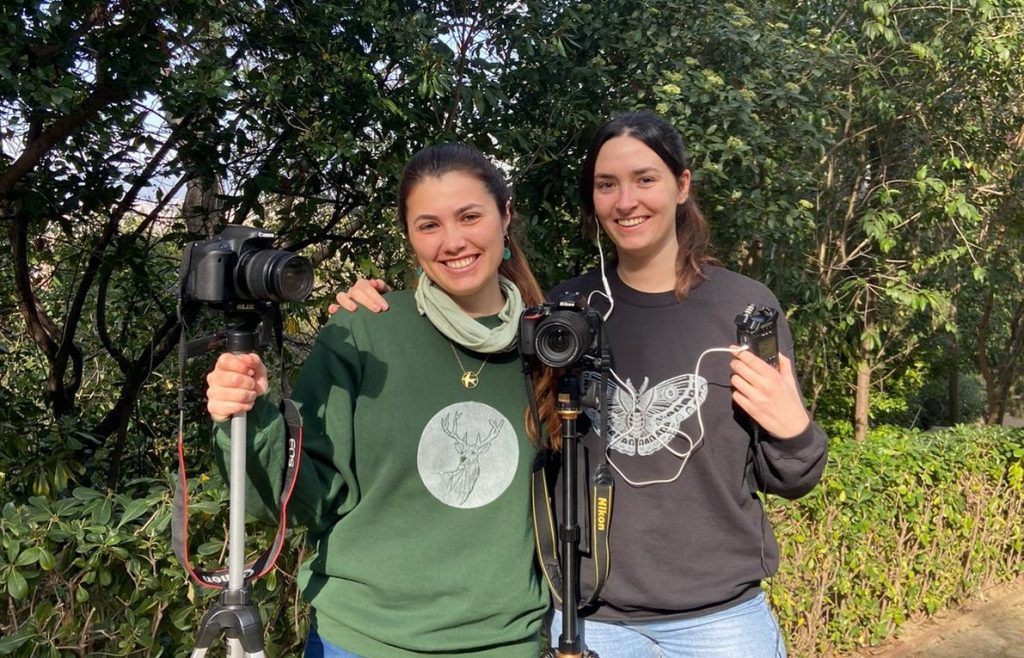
(233, 615)
(568, 409)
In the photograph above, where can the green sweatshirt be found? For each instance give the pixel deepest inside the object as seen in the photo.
(415, 490)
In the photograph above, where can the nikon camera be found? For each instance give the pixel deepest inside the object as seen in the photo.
(757, 328)
(562, 333)
(239, 268)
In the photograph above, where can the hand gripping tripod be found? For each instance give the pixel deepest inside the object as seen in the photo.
(234, 616)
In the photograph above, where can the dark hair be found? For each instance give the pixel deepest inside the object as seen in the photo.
(440, 159)
(692, 231)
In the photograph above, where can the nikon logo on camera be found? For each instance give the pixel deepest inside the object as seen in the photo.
(562, 333)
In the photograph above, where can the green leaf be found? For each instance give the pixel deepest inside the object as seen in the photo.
(28, 556)
(134, 510)
(86, 494)
(11, 643)
(46, 560)
(17, 587)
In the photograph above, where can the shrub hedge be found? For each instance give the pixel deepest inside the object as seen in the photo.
(905, 523)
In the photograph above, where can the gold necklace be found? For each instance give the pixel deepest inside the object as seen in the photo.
(470, 379)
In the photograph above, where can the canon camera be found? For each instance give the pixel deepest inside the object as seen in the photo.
(240, 267)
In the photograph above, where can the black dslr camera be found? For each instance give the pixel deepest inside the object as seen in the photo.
(562, 333)
(756, 327)
(239, 270)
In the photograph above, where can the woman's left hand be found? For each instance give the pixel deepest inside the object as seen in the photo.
(771, 397)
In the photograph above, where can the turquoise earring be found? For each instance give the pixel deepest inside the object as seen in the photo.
(507, 254)
(419, 272)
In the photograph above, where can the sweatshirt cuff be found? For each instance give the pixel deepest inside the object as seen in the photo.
(262, 414)
(806, 444)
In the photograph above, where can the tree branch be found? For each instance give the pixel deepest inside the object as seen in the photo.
(101, 96)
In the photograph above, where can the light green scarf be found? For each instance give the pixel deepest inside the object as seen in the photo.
(442, 311)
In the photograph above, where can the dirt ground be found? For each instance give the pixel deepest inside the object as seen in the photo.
(990, 626)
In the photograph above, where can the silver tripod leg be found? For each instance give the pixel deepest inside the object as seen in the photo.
(234, 613)
(236, 517)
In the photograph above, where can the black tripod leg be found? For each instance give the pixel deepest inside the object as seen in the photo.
(233, 622)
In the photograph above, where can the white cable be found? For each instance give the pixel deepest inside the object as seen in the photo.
(604, 277)
(684, 455)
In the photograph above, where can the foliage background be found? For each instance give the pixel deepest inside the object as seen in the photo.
(864, 159)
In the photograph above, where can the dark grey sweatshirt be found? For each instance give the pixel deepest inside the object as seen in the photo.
(693, 542)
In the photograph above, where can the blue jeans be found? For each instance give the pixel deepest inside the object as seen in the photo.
(748, 630)
(317, 647)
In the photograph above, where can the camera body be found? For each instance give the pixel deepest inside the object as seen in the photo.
(240, 268)
(563, 333)
(757, 328)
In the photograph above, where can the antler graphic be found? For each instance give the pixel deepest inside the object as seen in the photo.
(463, 478)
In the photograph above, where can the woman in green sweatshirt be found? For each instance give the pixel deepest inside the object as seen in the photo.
(416, 462)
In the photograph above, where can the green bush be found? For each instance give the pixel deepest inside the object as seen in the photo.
(904, 523)
(96, 574)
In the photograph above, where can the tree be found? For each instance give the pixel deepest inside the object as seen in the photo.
(291, 116)
(924, 87)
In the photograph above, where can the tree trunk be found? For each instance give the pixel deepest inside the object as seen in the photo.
(861, 407)
(954, 381)
(203, 207)
(953, 402)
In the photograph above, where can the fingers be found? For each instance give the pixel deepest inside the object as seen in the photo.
(368, 293)
(234, 384)
(344, 302)
(769, 396)
(785, 366)
(752, 368)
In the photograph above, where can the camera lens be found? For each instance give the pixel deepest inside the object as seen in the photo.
(295, 279)
(561, 339)
(275, 276)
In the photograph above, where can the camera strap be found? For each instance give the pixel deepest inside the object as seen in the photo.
(545, 523)
(546, 533)
(218, 579)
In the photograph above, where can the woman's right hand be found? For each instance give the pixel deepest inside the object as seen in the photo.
(234, 384)
(364, 292)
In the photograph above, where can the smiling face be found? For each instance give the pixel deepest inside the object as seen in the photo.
(457, 231)
(635, 199)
